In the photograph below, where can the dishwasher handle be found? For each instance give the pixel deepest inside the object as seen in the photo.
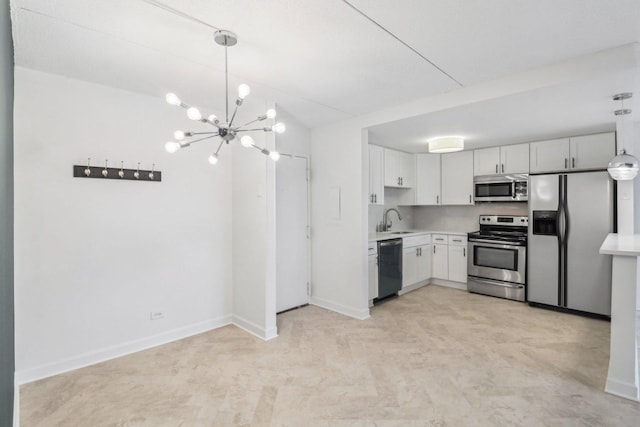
(391, 243)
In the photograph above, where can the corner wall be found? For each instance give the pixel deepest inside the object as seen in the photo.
(94, 257)
(7, 360)
(339, 219)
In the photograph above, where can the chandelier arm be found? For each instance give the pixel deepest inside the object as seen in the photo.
(259, 119)
(238, 104)
(202, 133)
(254, 129)
(219, 146)
(202, 139)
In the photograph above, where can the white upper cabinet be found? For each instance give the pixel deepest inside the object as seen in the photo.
(398, 169)
(457, 178)
(486, 161)
(549, 156)
(514, 158)
(592, 151)
(576, 153)
(501, 160)
(427, 179)
(376, 175)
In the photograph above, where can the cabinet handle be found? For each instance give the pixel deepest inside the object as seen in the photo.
(496, 168)
(565, 162)
(434, 249)
(401, 181)
(375, 198)
(573, 162)
(371, 198)
(464, 251)
(503, 168)
(457, 240)
(437, 200)
(469, 198)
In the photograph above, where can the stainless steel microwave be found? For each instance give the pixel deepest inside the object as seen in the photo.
(501, 188)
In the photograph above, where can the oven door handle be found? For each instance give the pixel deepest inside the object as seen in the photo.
(495, 244)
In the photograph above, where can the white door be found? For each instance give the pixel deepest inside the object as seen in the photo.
(514, 158)
(424, 263)
(292, 244)
(592, 151)
(458, 263)
(486, 161)
(549, 156)
(440, 262)
(409, 266)
(457, 178)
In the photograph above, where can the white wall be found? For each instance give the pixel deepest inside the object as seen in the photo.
(254, 241)
(392, 197)
(93, 258)
(338, 243)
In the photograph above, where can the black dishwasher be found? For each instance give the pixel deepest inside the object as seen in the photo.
(389, 268)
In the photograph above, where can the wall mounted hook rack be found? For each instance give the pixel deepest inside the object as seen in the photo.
(122, 174)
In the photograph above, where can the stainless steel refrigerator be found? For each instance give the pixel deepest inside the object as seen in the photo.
(569, 217)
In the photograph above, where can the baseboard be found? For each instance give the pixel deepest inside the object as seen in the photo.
(413, 287)
(16, 404)
(112, 352)
(356, 313)
(253, 329)
(449, 284)
(622, 389)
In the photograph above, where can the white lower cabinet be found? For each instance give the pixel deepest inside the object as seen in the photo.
(416, 259)
(457, 263)
(440, 261)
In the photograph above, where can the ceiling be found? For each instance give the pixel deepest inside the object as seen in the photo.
(330, 60)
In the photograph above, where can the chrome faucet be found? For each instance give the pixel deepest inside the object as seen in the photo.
(386, 224)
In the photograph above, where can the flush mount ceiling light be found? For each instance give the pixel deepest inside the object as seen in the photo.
(623, 167)
(226, 130)
(446, 144)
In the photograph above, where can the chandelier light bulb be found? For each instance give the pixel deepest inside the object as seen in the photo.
(246, 141)
(172, 99)
(275, 156)
(213, 159)
(172, 146)
(243, 91)
(178, 135)
(279, 127)
(271, 113)
(212, 118)
(194, 114)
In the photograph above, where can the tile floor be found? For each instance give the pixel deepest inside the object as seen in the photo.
(433, 357)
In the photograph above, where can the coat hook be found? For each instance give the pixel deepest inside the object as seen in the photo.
(121, 171)
(105, 171)
(153, 167)
(87, 171)
(136, 174)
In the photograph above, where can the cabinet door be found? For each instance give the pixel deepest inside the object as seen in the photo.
(391, 175)
(486, 161)
(457, 178)
(406, 169)
(409, 266)
(373, 276)
(549, 156)
(424, 262)
(439, 262)
(427, 183)
(376, 171)
(592, 151)
(514, 158)
(458, 263)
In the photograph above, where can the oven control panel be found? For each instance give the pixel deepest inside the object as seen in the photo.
(504, 220)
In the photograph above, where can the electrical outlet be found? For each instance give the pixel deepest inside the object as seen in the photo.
(155, 315)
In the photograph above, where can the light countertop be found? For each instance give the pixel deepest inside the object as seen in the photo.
(390, 234)
(621, 244)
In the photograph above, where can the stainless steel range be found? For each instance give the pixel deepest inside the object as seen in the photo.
(497, 262)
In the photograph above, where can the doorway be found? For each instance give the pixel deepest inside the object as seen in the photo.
(292, 232)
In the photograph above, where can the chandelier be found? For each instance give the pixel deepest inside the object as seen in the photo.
(226, 130)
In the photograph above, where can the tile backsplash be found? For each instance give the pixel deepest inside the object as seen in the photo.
(440, 218)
